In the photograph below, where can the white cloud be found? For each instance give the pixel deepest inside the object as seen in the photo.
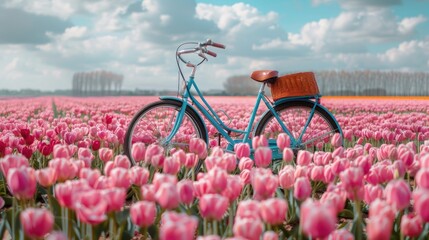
(412, 54)
(408, 25)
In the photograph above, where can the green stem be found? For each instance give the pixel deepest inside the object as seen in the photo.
(112, 226)
(215, 226)
(143, 232)
(69, 223)
(358, 220)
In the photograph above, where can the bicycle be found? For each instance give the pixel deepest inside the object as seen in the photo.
(173, 120)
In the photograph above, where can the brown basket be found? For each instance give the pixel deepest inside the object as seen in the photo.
(293, 85)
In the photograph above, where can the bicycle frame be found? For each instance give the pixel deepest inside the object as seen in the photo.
(208, 112)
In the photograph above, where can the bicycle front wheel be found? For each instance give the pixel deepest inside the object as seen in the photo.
(154, 123)
(295, 115)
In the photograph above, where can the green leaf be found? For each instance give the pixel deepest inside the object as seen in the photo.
(346, 213)
(122, 216)
(153, 232)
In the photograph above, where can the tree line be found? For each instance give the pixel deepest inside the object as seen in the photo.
(96, 83)
(350, 83)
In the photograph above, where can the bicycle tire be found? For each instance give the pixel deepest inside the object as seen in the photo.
(155, 135)
(321, 119)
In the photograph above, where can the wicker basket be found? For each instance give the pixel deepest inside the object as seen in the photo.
(293, 85)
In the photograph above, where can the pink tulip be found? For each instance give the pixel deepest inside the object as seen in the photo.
(179, 156)
(242, 150)
(202, 187)
(422, 177)
(108, 166)
(143, 213)
(379, 228)
(172, 165)
(105, 154)
(22, 182)
(217, 178)
(270, 235)
(286, 177)
(12, 161)
(91, 175)
(317, 220)
(248, 209)
(302, 188)
(336, 200)
(283, 141)
(121, 177)
(199, 147)
(86, 155)
(66, 192)
(248, 228)
(157, 161)
(245, 176)
(259, 141)
(122, 161)
(61, 151)
(233, 188)
(46, 177)
(264, 183)
(1, 202)
(115, 199)
(341, 234)
(336, 140)
(152, 150)
(230, 161)
(191, 160)
(317, 174)
(274, 211)
(381, 208)
(352, 178)
(148, 192)
(304, 158)
(177, 226)
(186, 191)
(91, 207)
(209, 237)
(64, 168)
(138, 151)
(213, 206)
(328, 175)
(263, 157)
(167, 196)
(421, 201)
(411, 225)
(372, 192)
(288, 155)
(36, 222)
(56, 235)
(160, 178)
(398, 194)
(245, 163)
(139, 175)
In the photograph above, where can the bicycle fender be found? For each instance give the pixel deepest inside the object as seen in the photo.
(176, 99)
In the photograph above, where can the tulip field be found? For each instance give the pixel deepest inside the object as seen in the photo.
(64, 175)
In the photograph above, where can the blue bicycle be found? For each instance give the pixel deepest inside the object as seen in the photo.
(294, 109)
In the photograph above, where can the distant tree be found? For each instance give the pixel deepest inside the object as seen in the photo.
(241, 86)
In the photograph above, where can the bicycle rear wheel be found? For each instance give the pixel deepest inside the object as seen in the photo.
(294, 116)
(154, 123)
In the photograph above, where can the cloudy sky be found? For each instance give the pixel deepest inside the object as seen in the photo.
(43, 42)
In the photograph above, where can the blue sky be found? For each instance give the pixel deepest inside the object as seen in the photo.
(44, 42)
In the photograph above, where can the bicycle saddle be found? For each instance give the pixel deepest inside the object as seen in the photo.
(264, 75)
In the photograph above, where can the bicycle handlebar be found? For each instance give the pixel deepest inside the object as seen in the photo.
(202, 49)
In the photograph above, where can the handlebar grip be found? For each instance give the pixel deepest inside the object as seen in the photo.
(213, 54)
(218, 45)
